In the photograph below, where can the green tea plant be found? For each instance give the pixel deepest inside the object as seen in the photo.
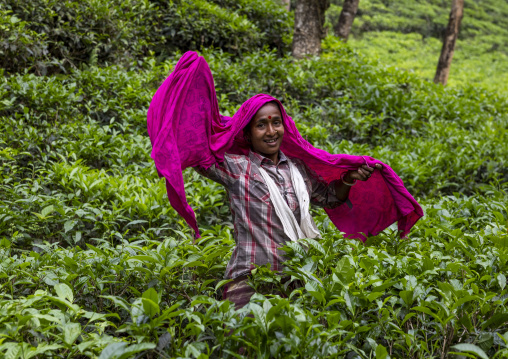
(96, 264)
(51, 36)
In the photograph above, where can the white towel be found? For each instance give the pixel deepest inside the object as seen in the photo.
(294, 230)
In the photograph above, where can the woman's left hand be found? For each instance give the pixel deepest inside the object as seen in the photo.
(363, 173)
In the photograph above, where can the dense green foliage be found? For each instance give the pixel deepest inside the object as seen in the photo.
(408, 34)
(95, 263)
(58, 35)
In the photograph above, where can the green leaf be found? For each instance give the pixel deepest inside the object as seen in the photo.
(151, 294)
(471, 348)
(407, 296)
(124, 350)
(374, 295)
(501, 279)
(221, 283)
(429, 312)
(150, 300)
(285, 322)
(41, 348)
(381, 352)
(485, 341)
(144, 258)
(119, 302)
(259, 316)
(47, 210)
(275, 310)
(150, 307)
(71, 332)
(349, 303)
(13, 350)
(64, 291)
(496, 321)
(95, 249)
(63, 303)
(5, 243)
(69, 225)
(314, 290)
(388, 283)
(465, 299)
(345, 271)
(138, 221)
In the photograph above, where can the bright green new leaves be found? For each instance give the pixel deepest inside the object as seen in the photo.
(64, 292)
(150, 300)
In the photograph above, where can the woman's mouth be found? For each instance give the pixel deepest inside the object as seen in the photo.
(272, 141)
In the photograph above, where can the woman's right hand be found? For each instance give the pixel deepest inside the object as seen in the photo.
(363, 173)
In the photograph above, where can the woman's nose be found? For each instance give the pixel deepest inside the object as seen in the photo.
(271, 130)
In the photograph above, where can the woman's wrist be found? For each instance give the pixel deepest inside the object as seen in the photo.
(347, 180)
(347, 177)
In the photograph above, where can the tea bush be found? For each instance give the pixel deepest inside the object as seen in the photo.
(18, 41)
(54, 36)
(96, 264)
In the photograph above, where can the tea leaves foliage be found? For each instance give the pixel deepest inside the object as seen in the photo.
(95, 263)
(54, 36)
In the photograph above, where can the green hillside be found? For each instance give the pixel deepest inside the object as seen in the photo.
(96, 264)
(407, 35)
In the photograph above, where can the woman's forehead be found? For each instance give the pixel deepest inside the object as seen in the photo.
(268, 109)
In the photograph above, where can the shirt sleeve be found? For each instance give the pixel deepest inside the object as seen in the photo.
(323, 194)
(217, 172)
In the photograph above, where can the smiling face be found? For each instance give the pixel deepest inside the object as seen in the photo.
(266, 131)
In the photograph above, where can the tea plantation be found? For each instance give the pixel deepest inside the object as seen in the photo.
(94, 263)
(408, 35)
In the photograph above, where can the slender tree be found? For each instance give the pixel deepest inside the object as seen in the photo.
(309, 31)
(451, 34)
(287, 4)
(347, 16)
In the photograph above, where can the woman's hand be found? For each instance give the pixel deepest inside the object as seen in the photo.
(363, 173)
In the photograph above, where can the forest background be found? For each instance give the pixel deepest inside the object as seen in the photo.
(95, 263)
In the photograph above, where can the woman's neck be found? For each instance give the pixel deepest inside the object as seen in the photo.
(273, 157)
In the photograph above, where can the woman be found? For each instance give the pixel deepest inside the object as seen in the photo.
(271, 173)
(258, 230)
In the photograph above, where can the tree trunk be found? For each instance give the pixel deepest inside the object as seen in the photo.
(309, 21)
(287, 4)
(347, 16)
(452, 32)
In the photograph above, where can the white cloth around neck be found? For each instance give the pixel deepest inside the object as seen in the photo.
(294, 230)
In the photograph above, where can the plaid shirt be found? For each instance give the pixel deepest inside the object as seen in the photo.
(258, 231)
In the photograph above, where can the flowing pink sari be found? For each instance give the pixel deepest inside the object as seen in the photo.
(187, 130)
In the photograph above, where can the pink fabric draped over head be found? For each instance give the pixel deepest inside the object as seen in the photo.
(187, 130)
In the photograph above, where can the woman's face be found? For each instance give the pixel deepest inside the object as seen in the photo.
(266, 131)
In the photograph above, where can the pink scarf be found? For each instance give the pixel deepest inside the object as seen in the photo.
(187, 130)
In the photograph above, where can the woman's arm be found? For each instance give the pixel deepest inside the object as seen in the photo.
(222, 173)
(363, 173)
(321, 193)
